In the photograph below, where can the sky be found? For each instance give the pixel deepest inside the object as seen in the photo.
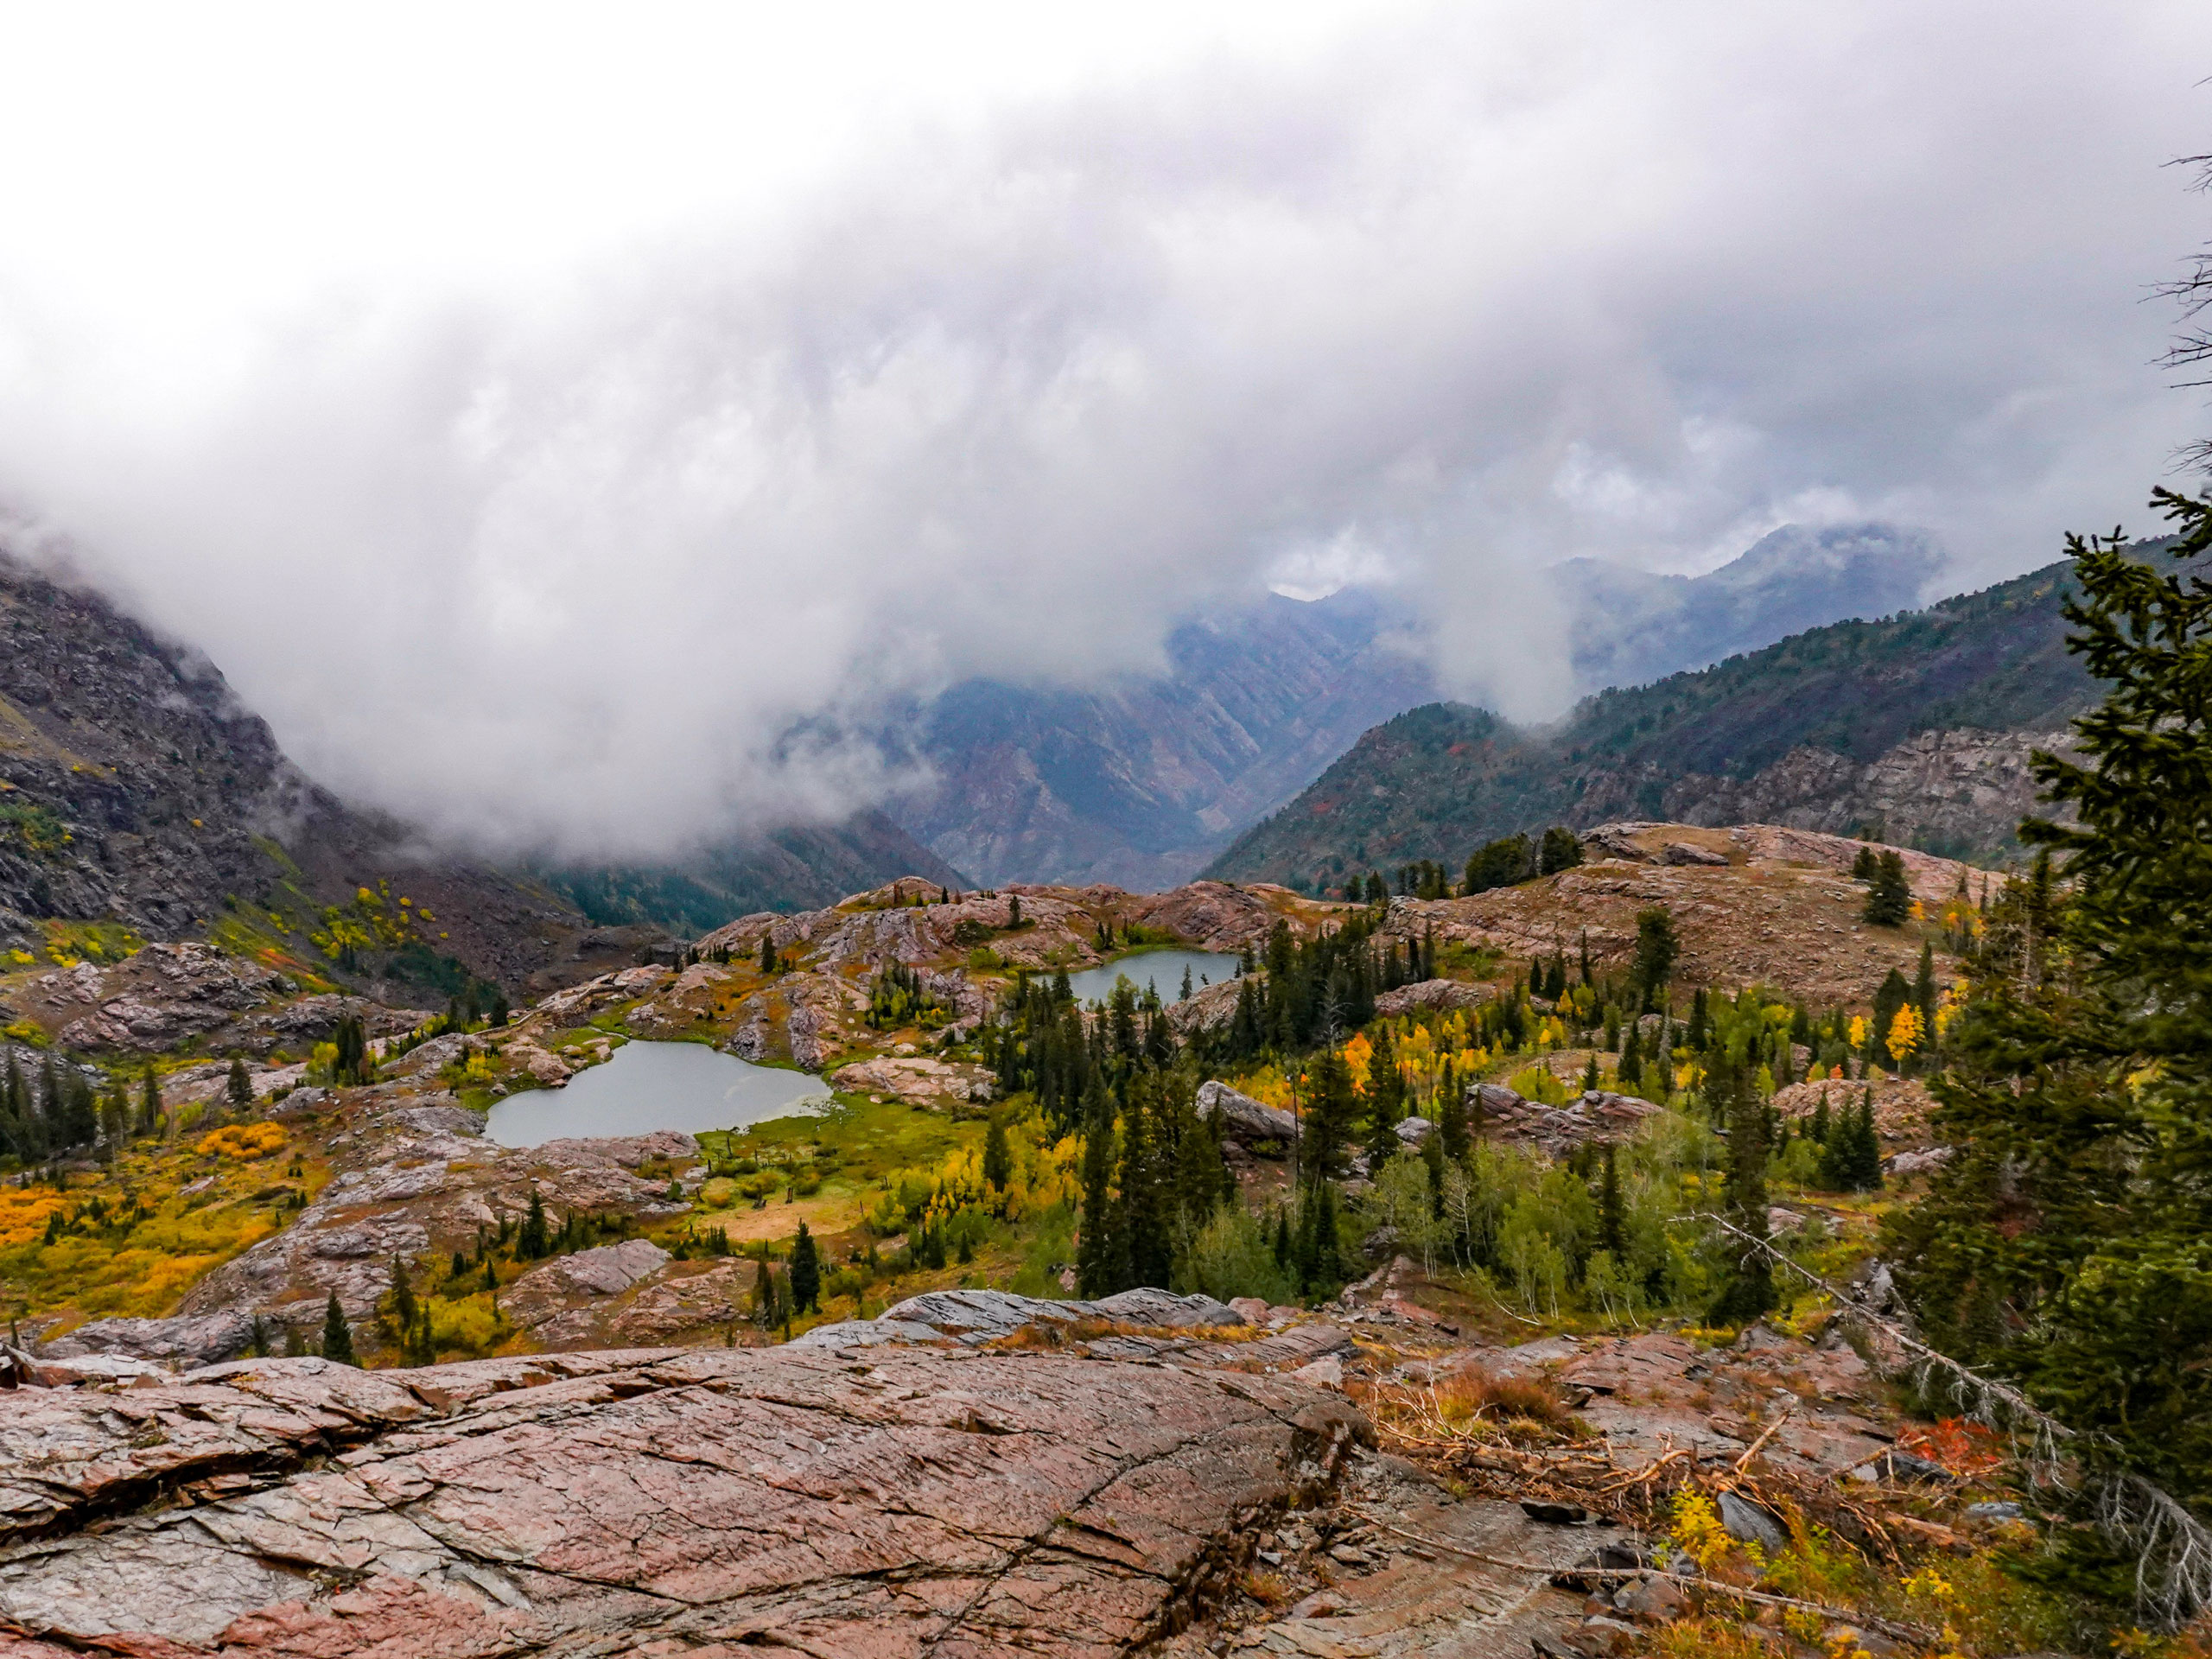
(572, 427)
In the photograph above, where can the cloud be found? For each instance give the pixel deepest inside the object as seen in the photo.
(561, 554)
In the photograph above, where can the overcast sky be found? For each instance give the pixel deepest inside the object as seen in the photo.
(537, 412)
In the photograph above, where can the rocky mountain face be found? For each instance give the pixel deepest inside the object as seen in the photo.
(1141, 783)
(1632, 627)
(1917, 726)
(139, 799)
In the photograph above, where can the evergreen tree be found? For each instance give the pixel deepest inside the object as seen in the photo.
(402, 1299)
(1613, 1217)
(1749, 1290)
(239, 1086)
(1285, 1248)
(767, 951)
(1315, 1253)
(1866, 865)
(1096, 1248)
(1632, 1066)
(1888, 898)
(337, 1335)
(806, 1272)
(1143, 1235)
(1331, 1116)
(1561, 851)
(768, 1298)
(1656, 951)
(1923, 989)
(1592, 1081)
(2069, 1242)
(1451, 1118)
(1386, 1100)
(998, 1158)
(353, 1064)
(1866, 1165)
(535, 1238)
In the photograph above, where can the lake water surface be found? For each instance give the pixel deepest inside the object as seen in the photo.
(648, 1086)
(1161, 970)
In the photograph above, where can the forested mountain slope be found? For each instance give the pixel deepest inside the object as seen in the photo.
(793, 869)
(1917, 725)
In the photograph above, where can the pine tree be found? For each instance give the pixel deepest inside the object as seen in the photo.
(806, 1272)
(1750, 1291)
(768, 1300)
(1923, 988)
(1866, 865)
(1331, 1118)
(1889, 900)
(1657, 950)
(998, 1158)
(1866, 1165)
(1142, 1236)
(1613, 1218)
(1632, 1066)
(353, 1064)
(1386, 1100)
(1452, 1117)
(1096, 1247)
(2079, 1092)
(767, 952)
(536, 1239)
(402, 1299)
(238, 1086)
(1561, 850)
(1590, 1080)
(337, 1335)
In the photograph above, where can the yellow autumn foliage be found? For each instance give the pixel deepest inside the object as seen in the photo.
(243, 1141)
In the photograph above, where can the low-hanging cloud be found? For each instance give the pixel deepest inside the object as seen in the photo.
(615, 560)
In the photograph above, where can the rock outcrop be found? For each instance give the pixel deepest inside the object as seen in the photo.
(974, 1317)
(414, 1175)
(1599, 1115)
(920, 1501)
(1243, 1118)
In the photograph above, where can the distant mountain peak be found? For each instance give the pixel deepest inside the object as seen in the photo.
(1630, 627)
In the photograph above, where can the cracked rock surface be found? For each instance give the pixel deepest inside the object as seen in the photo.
(911, 1501)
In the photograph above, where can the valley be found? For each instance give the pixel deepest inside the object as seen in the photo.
(926, 1225)
(1462, 1244)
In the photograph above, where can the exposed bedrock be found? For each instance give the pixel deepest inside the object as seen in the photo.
(911, 1501)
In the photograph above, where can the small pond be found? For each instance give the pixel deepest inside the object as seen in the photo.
(1161, 970)
(648, 1086)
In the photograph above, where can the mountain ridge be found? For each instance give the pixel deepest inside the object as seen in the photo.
(1927, 716)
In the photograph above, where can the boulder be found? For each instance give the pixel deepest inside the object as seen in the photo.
(1599, 1115)
(1415, 1132)
(1431, 994)
(1243, 1116)
(184, 1342)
